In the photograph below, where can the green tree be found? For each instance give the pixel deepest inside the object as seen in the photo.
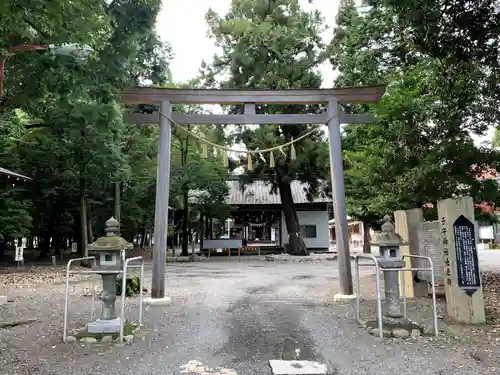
(52, 21)
(420, 150)
(276, 45)
(192, 172)
(79, 145)
(462, 35)
(15, 219)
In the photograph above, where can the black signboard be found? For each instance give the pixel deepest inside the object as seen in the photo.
(469, 279)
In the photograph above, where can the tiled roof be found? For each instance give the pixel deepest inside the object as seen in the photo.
(8, 173)
(259, 192)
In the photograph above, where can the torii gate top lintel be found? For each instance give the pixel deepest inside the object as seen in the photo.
(348, 95)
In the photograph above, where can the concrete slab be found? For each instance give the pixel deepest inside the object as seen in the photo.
(344, 298)
(281, 367)
(157, 301)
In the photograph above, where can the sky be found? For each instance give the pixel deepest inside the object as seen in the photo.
(182, 24)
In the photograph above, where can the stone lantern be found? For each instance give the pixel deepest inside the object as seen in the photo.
(110, 255)
(389, 242)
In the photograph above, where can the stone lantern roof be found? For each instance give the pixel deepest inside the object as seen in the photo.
(388, 235)
(112, 241)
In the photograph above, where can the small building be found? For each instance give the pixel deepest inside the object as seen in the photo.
(257, 219)
(355, 232)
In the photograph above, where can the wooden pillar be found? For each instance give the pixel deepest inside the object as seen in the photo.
(464, 293)
(339, 204)
(406, 225)
(161, 204)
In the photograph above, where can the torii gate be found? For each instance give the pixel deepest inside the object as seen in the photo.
(249, 98)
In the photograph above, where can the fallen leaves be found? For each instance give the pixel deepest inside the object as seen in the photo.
(491, 288)
(14, 278)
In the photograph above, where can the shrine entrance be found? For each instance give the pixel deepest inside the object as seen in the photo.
(249, 98)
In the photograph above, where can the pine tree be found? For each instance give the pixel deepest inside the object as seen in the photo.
(274, 44)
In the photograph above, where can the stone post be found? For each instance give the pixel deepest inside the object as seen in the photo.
(406, 225)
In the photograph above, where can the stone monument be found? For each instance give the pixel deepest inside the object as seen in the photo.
(110, 254)
(464, 292)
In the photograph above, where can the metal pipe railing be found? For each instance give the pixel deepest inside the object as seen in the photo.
(433, 287)
(123, 272)
(377, 283)
(124, 292)
(66, 300)
(376, 263)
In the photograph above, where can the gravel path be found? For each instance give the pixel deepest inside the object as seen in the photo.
(226, 318)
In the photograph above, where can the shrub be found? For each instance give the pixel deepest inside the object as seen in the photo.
(133, 286)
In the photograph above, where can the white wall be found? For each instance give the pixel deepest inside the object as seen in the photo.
(318, 218)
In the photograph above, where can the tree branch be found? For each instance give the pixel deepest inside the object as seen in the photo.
(32, 25)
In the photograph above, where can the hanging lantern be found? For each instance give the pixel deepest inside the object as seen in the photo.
(293, 155)
(271, 160)
(249, 162)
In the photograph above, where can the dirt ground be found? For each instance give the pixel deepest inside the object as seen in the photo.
(479, 342)
(235, 315)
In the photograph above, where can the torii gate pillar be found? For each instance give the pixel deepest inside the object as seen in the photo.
(339, 205)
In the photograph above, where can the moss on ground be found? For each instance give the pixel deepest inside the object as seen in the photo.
(391, 323)
(128, 329)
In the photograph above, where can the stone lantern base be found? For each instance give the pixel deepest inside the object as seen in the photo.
(104, 326)
(395, 327)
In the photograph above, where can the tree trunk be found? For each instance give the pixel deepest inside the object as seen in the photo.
(3, 245)
(185, 233)
(44, 245)
(201, 232)
(117, 200)
(83, 223)
(366, 238)
(56, 243)
(89, 230)
(296, 244)
(207, 236)
(143, 237)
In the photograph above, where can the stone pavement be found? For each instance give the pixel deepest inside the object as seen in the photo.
(227, 318)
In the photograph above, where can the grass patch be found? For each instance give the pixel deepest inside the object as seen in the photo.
(391, 323)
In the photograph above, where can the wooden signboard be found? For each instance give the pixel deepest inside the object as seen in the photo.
(468, 276)
(464, 293)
